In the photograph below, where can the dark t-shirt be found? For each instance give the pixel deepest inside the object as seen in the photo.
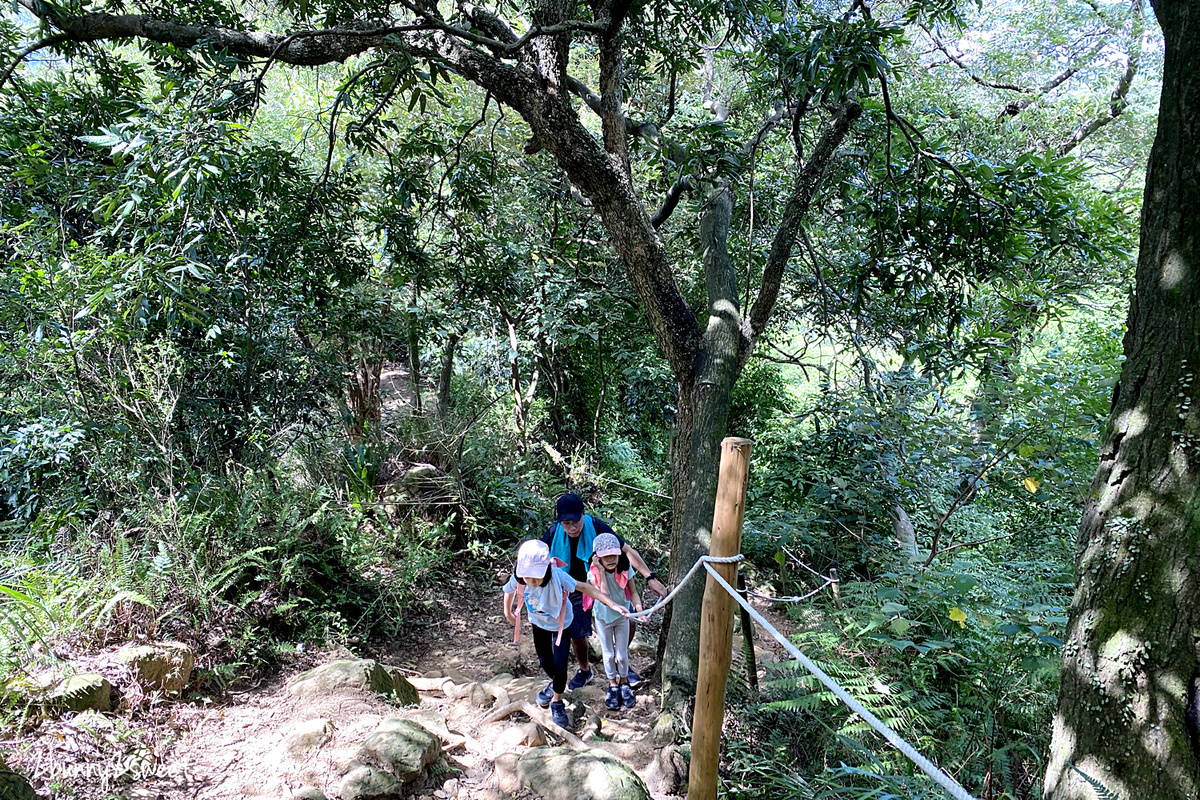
(578, 568)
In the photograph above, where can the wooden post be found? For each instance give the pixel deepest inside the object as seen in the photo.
(837, 588)
(716, 621)
(748, 636)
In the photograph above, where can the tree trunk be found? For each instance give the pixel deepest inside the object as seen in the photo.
(1129, 704)
(414, 351)
(716, 371)
(514, 376)
(906, 535)
(446, 374)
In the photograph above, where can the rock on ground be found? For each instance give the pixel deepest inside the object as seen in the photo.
(402, 747)
(308, 793)
(13, 785)
(667, 772)
(361, 673)
(560, 773)
(60, 691)
(82, 692)
(162, 666)
(529, 734)
(307, 736)
(367, 782)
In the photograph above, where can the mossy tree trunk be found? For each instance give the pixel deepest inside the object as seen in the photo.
(1130, 697)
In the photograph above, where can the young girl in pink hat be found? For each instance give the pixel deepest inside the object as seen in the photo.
(610, 573)
(546, 588)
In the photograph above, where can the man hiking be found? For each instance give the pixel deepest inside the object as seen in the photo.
(570, 539)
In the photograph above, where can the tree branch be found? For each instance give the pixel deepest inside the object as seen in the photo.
(49, 41)
(807, 182)
(958, 62)
(681, 187)
(1117, 102)
(612, 119)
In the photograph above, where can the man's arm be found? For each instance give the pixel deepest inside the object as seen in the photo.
(639, 565)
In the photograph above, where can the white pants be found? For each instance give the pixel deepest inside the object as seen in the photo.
(614, 643)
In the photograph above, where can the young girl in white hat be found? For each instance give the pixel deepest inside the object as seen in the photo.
(546, 590)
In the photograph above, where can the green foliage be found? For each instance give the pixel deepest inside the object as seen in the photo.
(33, 458)
(964, 669)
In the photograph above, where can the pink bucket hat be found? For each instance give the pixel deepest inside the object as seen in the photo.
(606, 544)
(532, 559)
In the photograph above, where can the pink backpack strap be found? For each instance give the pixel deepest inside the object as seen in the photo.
(519, 600)
(594, 579)
(562, 616)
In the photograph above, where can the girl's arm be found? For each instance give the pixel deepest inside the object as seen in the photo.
(637, 598)
(599, 595)
(508, 614)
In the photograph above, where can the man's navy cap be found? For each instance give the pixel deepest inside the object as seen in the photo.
(570, 508)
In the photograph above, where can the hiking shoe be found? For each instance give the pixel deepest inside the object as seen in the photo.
(581, 679)
(546, 695)
(558, 713)
(612, 700)
(633, 678)
(627, 698)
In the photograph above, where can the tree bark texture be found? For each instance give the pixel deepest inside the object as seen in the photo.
(1129, 704)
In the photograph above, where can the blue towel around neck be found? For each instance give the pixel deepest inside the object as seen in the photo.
(560, 548)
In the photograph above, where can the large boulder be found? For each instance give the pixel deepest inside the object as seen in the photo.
(81, 693)
(357, 673)
(560, 773)
(364, 781)
(13, 785)
(163, 666)
(57, 690)
(401, 747)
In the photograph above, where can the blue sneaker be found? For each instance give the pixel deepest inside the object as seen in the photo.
(581, 679)
(633, 678)
(546, 695)
(627, 698)
(558, 713)
(612, 700)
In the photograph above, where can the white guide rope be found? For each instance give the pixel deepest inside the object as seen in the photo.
(925, 765)
(796, 599)
(644, 614)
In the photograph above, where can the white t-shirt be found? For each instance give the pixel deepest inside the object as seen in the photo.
(545, 602)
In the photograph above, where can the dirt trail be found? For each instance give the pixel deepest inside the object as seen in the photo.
(234, 749)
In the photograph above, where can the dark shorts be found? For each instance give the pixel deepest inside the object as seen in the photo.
(581, 626)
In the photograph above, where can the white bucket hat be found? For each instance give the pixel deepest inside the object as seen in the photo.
(532, 559)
